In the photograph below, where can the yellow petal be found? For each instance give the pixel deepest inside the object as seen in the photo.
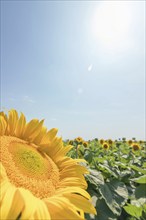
(4, 116)
(31, 127)
(51, 148)
(30, 203)
(81, 203)
(3, 125)
(16, 207)
(68, 161)
(44, 147)
(50, 135)
(42, 211)
(63, 151)
(20, 127)
(61, 209)
(73, 170)
(12, 121)
(36, 132)
(70, 190)
(55, 146)
(7, 202)
(82, 213)
(4, 185)
(40, 136)
(73, 181)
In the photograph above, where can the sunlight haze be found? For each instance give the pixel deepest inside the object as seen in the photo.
(80, 65)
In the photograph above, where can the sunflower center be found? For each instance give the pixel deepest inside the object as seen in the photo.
(105, 146)
(28, 168)
(29, 161)
(135, 147)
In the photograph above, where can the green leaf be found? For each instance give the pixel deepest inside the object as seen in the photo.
(120, 190)
(144, 165)
(88, 156)
(109, 199)
(95, 177)
(115, 195)
(140, 191)
(108, 170)
(133, 210)
(138, 169)
(103, 211)
(141, 179)
(125, 174)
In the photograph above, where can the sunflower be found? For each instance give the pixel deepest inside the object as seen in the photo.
(101, 141)
(85, 144)
(70, 142)
(37, 179)
(105, 146)
(130, 142)
(110, 142)
(135, 147)
(79, 140)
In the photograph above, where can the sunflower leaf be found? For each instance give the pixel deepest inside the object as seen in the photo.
(115, 195)
(141, 179)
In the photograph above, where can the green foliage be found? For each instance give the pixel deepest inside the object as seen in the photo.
(141, 179)
(133, 210)
(140, 191)
(117, 179)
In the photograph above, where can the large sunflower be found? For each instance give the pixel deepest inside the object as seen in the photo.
(37, 180)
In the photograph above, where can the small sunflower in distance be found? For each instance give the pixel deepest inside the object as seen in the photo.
(130, 142)
(135, 147)
(110, 142)
(70, 142)
(105, 146)
(85, 143)
(101, 141)
(79, 140)
(37, 179)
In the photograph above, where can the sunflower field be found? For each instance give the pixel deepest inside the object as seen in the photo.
(117, 176)
(43, 177)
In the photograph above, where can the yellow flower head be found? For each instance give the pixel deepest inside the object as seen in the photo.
(110, 142)
(101, 141)
(85, 144)
(135, 147)
(79, 140)
(105, 146)
(130, 142)
(37, 179)
(70, 142)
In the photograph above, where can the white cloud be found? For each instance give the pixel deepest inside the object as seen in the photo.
(90, 67)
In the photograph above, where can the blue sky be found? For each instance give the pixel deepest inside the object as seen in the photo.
(80, 65)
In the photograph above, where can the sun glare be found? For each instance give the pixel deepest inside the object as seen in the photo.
(110, 23)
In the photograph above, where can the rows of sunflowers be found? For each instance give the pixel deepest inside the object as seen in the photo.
(117, 178)
(43, 177)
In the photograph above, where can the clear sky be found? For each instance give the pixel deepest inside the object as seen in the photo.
(80, 65)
